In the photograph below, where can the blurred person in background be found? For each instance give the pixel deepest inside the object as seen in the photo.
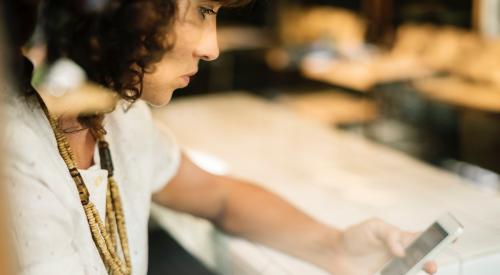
(5, 244)
(81, 185)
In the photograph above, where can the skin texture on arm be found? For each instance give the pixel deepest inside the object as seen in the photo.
(245, 210)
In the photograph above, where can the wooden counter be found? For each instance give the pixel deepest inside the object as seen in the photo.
(336, 177)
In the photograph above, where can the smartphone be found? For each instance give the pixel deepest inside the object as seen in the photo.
(426, 247)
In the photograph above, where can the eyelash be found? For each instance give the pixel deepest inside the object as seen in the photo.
(206, 11)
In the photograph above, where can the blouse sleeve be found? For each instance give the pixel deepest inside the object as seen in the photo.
(42, 231)
(164, 153)
(166, 156)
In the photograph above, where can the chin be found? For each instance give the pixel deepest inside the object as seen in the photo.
(158, 103)
(159, 100)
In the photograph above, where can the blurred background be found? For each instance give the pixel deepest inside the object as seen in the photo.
(419, 76)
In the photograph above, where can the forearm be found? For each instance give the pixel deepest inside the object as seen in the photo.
(246, 210)
(243, 209)
(258, 215)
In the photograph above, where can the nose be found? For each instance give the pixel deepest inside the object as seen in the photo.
(208, 46)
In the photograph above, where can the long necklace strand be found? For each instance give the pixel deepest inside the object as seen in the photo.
(104, 235)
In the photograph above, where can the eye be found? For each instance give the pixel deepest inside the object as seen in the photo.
(204, 11)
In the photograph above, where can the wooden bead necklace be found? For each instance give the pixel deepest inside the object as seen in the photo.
(103, 234)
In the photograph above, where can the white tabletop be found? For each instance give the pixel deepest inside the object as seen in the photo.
(334, 176)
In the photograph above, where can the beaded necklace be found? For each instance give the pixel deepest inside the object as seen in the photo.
(103, 234)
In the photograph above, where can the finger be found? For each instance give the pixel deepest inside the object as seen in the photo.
(394, 240)
(430, 267)
(390, 236)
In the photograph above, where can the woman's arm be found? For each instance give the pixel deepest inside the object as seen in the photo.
(246, 210)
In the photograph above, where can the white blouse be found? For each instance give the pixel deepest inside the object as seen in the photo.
(50, 230)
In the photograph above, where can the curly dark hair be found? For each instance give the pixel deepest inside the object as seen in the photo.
(115, 45)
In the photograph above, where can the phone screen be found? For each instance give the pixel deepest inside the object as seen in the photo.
(416, 251)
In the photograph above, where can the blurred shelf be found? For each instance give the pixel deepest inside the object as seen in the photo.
(243, 38)
(331, 107)
(461, 93)
(365, 74)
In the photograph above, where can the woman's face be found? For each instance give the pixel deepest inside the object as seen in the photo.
(195, 40)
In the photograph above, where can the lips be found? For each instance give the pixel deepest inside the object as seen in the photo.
(187, 78)
(185, 81)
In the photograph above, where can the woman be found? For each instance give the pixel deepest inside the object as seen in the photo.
(70, 220)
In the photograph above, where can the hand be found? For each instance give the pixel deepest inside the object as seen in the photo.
(364, 248)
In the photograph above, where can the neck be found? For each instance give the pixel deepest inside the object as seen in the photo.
(71, 125)
(80, 139)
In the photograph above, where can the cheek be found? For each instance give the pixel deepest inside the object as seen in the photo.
(156, 87)
(187, 37)
(160, 77)
(159, 85)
